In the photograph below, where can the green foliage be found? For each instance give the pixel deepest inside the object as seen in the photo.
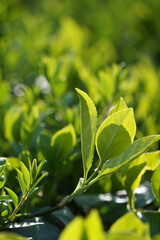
(39, 115)
(156, 182)
(88, 130)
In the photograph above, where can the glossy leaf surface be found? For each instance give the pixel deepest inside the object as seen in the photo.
(88, 117)
(115, 134)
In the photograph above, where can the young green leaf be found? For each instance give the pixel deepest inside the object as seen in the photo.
(120, 106)
(115, 134)
(13, 196)
(63, 141)
(135, 150)
(2, 161)
(131, 176)
(88, 117)
(38, 180)
(21, 181)
(40, 166)
(26, 174)
(33, 170)
(156, 182)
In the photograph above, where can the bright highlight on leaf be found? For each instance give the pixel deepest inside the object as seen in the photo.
(88, 117)
(135, 150)
(115, 134)
(156, 182)
(13, 196)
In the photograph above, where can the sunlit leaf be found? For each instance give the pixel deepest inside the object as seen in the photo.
(63, 141)
(132, 224)
(10, 236)
(135, 150)
(13, 196)
(34, 170)
(88, 117)
(21, 181)
(115, 134)
(26, 174)
(74, 229)
(120, 106)
(156, 182)
(93, 226)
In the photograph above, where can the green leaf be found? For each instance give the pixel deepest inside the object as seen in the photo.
(38, 180)
(13, 196)
(156, 182)
(40, 166)
(74, 229)
(152, 218)
(152, 160)
(21, 181)
(93, 221)
(115, 134)
(88, 117)
(2, 161)
(120, 106)
(10, 236)
(34, 170)
(26, 174)
(123, 236)
(135, 150)
(63, 141)
(132, 224)
(5, 198)
(12, 122)
(131, 176)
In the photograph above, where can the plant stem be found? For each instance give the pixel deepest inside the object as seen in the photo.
(93, 175)
(11, 218)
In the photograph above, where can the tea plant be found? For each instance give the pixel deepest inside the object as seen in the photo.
(116, 149)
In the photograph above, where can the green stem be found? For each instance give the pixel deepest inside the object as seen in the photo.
(11, 218)
(93, 175)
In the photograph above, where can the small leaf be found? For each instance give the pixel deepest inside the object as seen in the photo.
(88, 117)
(156, 182)
(38, 180)
(10, 236)
(120, 106)
(13, 196)
(34, 170)
(135, 150)
(63, 141)
(2, 161)
(40, 166)
(115, 134)
(21, 181)
(131, 176)
(26, 174)
(5, 198)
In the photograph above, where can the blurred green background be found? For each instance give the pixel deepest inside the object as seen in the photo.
(48, 48)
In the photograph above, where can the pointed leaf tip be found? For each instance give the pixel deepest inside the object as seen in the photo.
(88, 119)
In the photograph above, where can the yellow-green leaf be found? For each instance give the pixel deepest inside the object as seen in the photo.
(115, 134)
(120, 106)
(63, 142)
(88, 117)
(26, 174)
(13, 196)
(156, 182)
(135, 150)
